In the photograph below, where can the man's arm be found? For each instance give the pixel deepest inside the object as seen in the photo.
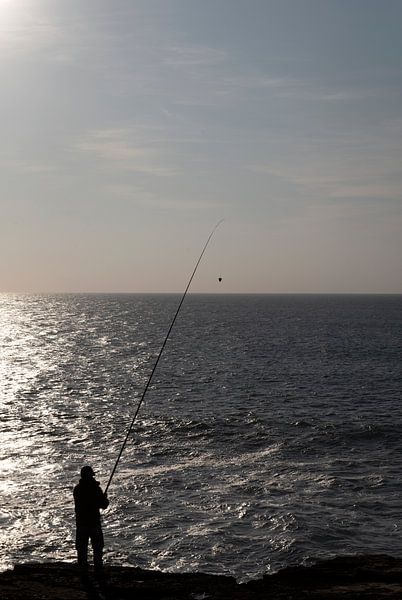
(103, 499)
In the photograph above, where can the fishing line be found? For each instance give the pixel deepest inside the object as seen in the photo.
(159, 355)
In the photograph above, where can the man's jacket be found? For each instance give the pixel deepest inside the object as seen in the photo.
(88, 499)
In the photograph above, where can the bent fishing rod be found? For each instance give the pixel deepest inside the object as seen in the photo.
(159, 356)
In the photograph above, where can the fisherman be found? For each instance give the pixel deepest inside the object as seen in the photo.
(88, 499)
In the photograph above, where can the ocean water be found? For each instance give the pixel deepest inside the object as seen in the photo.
(271, 434)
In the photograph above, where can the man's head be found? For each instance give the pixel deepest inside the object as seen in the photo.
(87, 472)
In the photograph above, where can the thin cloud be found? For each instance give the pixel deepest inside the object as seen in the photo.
(141, 196)
(334, 163)
(26, 166)
(192, 56)
(23, 30)
(114, 148)
(342, 183)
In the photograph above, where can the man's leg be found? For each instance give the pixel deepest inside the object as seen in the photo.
(81, 544)
(97, 547)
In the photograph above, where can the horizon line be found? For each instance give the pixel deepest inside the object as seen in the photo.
(210, 293)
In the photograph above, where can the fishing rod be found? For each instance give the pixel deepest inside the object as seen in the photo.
(159, 355)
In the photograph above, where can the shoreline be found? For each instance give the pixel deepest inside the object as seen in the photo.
(374, 577)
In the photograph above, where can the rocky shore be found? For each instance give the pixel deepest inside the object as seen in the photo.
(344, 578)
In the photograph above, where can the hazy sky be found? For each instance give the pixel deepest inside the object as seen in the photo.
(130, 127)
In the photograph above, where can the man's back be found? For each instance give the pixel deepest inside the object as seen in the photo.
(88, 499)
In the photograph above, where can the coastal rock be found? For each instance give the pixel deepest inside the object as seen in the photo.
(344, 578)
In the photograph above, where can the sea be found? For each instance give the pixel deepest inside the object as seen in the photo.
(270, 435)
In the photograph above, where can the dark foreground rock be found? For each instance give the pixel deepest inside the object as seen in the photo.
(346, 578)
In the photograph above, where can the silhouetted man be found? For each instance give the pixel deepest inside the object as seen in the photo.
(88, 499)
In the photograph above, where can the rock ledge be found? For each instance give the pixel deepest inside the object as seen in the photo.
(368, 577)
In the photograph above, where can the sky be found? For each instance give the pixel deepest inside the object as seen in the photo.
(129, 128)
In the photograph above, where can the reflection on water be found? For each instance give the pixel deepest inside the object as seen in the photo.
(253, 450)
